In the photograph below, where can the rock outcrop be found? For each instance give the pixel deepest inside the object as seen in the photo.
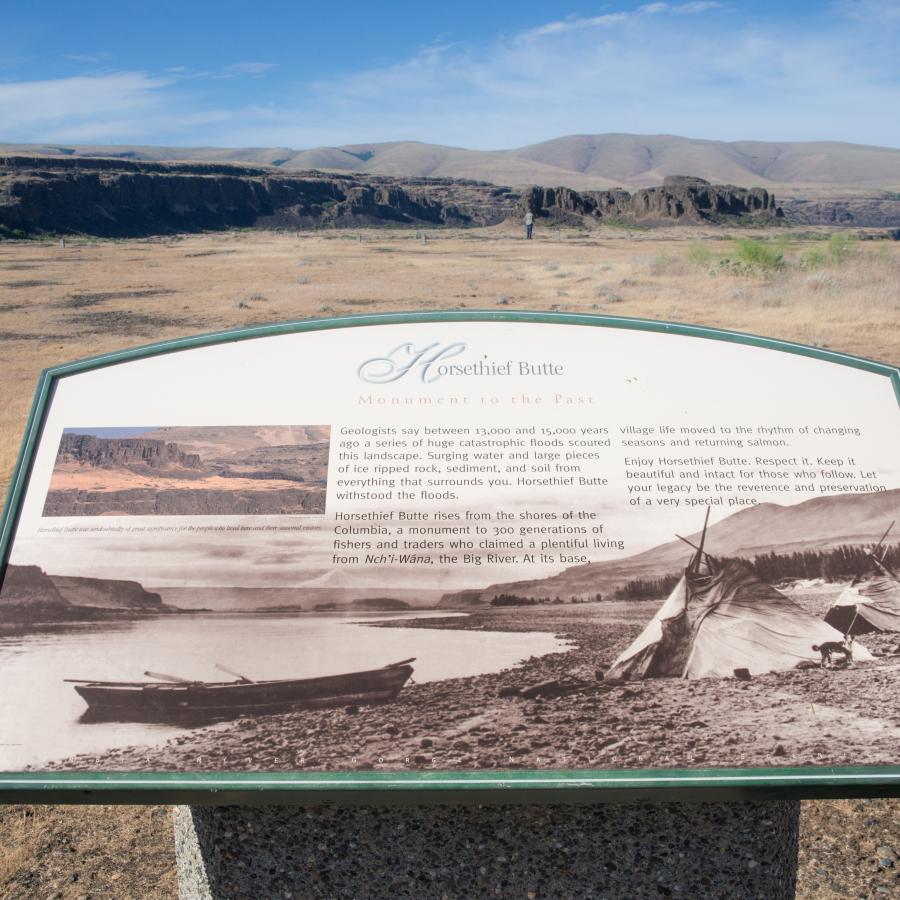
(190, 502)
(134, 454)
(122, 198)
(461, 599)
(681, 198)
(861, 212)
(107, 593)
(117, 198)
(29, 595)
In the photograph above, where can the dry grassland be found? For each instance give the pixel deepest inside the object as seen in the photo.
(87, 851)
(91, 297)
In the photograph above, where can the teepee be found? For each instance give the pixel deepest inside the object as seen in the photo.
(872, 600)
(721, 617)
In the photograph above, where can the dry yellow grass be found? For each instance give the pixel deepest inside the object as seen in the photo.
(86, 851)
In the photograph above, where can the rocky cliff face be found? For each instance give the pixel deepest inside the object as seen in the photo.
(29, 589)
(30, 595)
(458, 599)
(874, 212)
(680, 199)
(120, 198)
(134, 454)
(107, 593)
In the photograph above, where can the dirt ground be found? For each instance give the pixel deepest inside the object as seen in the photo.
(58, 304)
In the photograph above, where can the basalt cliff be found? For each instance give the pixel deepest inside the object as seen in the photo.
(30, 595)
(132, 453)
(122, 198)
(681, 198)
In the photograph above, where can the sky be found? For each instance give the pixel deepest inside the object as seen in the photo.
(111, 432)
(471, 74)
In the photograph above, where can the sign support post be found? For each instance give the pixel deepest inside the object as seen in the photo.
(736, 850)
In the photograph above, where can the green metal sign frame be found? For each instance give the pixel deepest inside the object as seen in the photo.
(417, 786)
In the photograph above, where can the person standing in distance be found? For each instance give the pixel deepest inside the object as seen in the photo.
(529, 224)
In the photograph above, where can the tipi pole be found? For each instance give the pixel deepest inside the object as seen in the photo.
(703, 533)
(849, 631)
(879, 558)
(698, 556)
(883, 537)
(692, 544)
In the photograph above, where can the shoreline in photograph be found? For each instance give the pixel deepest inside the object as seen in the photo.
(811, 717)
(293, 650)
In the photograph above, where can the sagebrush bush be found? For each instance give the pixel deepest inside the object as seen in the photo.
(814, 259)
(699, 254)
(840, 248)
(764, 255)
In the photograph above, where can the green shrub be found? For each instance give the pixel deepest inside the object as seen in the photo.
(814, 258)
(699, 254)
(764, 255)
(7, 232)
(615, 222)
(840, 248)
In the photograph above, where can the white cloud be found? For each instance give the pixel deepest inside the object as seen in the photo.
(574, 24)
(608, 20)
(86, 58)
(700, 6)
(53, 106)
(116, 107)
(236, 70)
(869, 10)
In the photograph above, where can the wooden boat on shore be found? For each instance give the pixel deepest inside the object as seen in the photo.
(180, 699)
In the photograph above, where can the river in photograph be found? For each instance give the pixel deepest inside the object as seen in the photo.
(40, 712)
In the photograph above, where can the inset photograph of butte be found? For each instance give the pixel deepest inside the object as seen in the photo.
(233, 470)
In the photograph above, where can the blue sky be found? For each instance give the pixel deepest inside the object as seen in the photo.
(486, 75)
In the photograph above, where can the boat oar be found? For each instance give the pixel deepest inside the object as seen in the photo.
(237, 675)
(163, 677)
(402, 662)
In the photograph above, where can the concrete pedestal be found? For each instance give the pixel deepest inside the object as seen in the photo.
(690, 850)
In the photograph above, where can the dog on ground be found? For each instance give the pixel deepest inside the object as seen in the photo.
(829, 648)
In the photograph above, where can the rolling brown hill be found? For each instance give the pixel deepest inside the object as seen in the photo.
(643, 160)
(818, 524)
(582, 162)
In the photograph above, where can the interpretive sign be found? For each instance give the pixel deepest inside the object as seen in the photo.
(460, 551)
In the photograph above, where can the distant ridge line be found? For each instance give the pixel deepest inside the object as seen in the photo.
(581, 162)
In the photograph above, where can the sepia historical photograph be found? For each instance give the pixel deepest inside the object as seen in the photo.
(769, 638)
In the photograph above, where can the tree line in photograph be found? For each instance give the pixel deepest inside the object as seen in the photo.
(838, 564)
